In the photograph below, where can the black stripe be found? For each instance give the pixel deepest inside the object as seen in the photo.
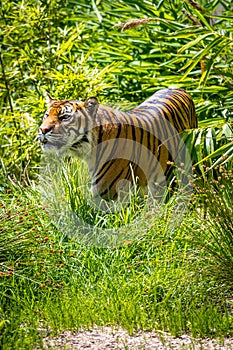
(100, 134)
(112, 184)
(99, 175)
(133, 133)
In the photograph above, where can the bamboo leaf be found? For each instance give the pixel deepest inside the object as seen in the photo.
(221, 152)
(97, 11)
(209, 140)
(191, 64)
(194, 42)
(203, 19)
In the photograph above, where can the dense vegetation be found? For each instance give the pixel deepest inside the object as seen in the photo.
(167, 274)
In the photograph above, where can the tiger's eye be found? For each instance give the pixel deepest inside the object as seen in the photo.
(64, 116)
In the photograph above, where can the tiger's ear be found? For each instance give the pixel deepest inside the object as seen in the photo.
(91, 105)
(49, 100)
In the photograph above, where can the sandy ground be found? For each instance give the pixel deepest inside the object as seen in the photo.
(107, 338)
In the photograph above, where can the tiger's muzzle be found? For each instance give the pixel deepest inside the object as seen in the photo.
(44, 134)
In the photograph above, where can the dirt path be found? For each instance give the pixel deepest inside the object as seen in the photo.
(107, 338)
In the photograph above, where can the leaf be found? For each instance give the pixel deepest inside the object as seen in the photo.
(96, 11)
(227, 130)
(221, 152)
(209, 140)
(196, 59)
(212, 122)
(194, 42)
(203, 19)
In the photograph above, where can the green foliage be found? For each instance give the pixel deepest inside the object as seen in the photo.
(209, 147)
(20, 154)
(62, 38)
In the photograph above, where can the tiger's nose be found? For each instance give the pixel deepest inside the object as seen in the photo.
(46, 129)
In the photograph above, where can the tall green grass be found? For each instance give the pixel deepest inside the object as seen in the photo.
(162, 278)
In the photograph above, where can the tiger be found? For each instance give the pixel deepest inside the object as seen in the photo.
(120, 146)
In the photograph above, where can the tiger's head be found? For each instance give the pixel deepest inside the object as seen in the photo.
(67, 126)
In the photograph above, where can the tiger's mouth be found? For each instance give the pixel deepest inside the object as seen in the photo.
(44, 141)
(42, 138)
(51, 143)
